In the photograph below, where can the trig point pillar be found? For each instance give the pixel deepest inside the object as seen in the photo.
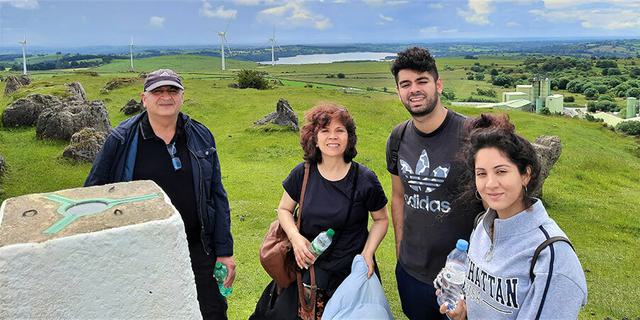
(117, 251)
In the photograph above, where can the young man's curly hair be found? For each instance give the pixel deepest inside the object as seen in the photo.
(319, 117)
(417, 59)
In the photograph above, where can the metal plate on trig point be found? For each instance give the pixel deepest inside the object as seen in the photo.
(45, 216)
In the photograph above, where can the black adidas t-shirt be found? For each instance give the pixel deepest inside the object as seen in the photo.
(326, 205)
(430, 171)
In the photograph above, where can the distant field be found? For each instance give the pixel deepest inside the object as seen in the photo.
(592, 191)
(184, 63)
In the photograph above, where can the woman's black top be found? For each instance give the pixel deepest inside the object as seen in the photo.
(326, 205)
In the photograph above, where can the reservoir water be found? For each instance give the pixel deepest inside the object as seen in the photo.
(332, 57)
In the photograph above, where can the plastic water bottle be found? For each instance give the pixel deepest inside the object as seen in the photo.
(321, 242)
(220, 272)
(453, 274)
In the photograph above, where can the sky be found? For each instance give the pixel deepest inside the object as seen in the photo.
(58, 23)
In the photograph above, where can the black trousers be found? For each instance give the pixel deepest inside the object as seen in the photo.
(212, 304)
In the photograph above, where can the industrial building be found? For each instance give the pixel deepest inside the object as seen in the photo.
(538, 94)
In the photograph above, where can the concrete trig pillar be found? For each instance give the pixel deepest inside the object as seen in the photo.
(632, 107)
(117, 251)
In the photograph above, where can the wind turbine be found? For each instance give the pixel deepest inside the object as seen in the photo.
(223, 41)
(131, 53)
(273, 47)
(24, 54)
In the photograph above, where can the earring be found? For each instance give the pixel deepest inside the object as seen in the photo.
(478, 195)
(525, 190)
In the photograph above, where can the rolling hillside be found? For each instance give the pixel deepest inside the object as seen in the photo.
(593, 191)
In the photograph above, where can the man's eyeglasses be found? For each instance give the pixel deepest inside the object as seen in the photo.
(173, 152)
(160, 91)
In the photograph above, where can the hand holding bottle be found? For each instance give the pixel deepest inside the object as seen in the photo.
(304, 256)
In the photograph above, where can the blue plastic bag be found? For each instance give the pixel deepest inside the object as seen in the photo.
(358, 297)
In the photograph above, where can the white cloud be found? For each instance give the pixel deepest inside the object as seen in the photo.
(254, 2)
(385, 18)
(512, 24)
(247, 2)
(156, 22)
(435, 32)
(385, 2)
(478, 12)
(22, 4)
(294, 14)
(436, 6)
(608, 19)
(558, 4)
(208, 11)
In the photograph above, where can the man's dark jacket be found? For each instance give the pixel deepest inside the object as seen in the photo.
(116, 161)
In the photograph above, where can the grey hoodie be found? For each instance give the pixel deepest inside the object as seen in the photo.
(498, 284)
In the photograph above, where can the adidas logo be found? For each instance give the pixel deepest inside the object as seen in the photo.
(422, 179)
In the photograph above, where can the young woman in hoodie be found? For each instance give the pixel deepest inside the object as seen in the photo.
(503, 167)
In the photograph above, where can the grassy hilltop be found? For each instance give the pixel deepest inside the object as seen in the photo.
(592, 191)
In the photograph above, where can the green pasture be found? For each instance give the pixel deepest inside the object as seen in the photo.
(592, 191)
(185, 63)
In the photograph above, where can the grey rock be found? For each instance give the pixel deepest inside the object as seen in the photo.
(117, 83)
(25, 111)
(3, 166)
(62, 122)
(85, 145)
(548, 149)
(132, 107)
(14, 83)
(77, 91)
(283, 116)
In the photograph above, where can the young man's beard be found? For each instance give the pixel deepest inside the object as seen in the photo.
(430, 105)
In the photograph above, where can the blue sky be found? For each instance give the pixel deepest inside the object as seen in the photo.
(56, 23)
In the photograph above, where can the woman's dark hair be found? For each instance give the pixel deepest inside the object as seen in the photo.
(417, 59)
(495, 131)
(319, 117)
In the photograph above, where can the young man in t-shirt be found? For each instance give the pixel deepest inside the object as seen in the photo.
(425, 175)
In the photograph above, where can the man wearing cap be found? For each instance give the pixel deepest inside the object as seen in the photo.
(178, 153)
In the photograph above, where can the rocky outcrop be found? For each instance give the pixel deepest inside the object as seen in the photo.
(117, 83)
(548, 149)
(132, 107)
(14, 83)
(85, 145)
(61, 122)
(25, 111)
(3, 166)
(283, 116)
(77, 91)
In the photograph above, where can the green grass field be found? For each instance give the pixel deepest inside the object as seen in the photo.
(592, 191)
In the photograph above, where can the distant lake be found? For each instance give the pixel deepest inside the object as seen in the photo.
(332, 57)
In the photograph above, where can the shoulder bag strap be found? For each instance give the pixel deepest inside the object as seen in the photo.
(395, 139)
(304, 303)
(304, 189)
(541, 247)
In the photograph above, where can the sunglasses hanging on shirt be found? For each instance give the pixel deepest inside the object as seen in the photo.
(173, 152)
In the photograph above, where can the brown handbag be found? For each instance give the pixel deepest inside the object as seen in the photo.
(276, 255)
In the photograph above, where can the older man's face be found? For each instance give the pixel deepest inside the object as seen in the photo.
(165, 101)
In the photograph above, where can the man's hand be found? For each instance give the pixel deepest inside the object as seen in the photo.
(230, 263)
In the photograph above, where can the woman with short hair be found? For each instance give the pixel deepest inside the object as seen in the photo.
(340, 194)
